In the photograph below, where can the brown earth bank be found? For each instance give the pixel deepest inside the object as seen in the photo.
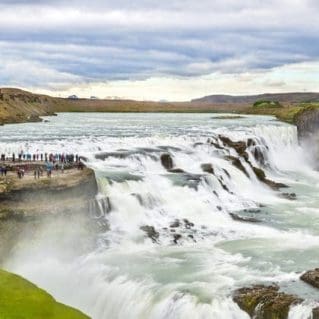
(17, 106)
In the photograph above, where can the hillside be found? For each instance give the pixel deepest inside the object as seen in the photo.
(285, 98)
(17, 106)
(20, 106)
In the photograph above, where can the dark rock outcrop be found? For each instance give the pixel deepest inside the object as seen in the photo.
(176, 170)
(167, 161)
(175, 224)
(238, 164)
(244, 218)
(307, 123)
(151, 232)
(290, 196)
(315, 313)
(260, 174)
(265, 302)
(207, 168)
(239, 146)
(177, 237)
(311, 277)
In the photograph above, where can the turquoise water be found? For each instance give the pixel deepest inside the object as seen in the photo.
(126, 274)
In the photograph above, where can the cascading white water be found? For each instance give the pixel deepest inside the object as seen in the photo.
(172, 247)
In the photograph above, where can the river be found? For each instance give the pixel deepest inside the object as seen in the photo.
(198, 254)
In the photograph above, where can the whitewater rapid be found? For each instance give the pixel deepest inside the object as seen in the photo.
(198, 254)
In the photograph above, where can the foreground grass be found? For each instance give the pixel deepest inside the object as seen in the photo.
(20, 299)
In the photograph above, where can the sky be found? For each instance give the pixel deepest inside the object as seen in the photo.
(159, 50)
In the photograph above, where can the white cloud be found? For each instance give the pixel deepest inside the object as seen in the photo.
(190, 47)
(288, 78)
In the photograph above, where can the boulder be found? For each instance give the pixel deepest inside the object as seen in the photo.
(260, 174)
(239, 146)
(167, 161)
(251, 142)
(188, 224)
(244, 218)
(315, 313)
(176, 171)
(265, 302)
(238, 164)
(175, 224)
(177, 237)
(151, 232)
(290, 196)
(207, 168)
(311, 277)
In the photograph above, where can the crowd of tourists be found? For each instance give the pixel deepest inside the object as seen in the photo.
(38, 163)
(43, 157)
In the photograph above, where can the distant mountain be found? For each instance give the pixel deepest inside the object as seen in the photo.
(250, 99)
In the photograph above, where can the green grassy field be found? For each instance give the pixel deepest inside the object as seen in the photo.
(287, 114)
(20, 299)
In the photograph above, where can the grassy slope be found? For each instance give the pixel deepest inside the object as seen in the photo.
(286, 114)
(20, 299)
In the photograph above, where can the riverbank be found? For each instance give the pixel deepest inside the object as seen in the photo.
(18, 106)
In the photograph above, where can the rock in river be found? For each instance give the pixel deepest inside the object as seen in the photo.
(311, 277)
(167, 161)
(265, 302)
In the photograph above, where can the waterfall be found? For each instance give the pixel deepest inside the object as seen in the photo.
(178, 241)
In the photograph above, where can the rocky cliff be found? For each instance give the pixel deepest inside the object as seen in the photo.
(26, 204)
(308, 123)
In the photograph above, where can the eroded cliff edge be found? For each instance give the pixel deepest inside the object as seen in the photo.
(307, 123)
(27, 204)
(54, 211)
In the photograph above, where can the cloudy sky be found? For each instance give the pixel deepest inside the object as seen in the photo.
(169, 49)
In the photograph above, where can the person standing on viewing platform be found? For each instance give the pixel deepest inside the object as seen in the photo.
(3, 170)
